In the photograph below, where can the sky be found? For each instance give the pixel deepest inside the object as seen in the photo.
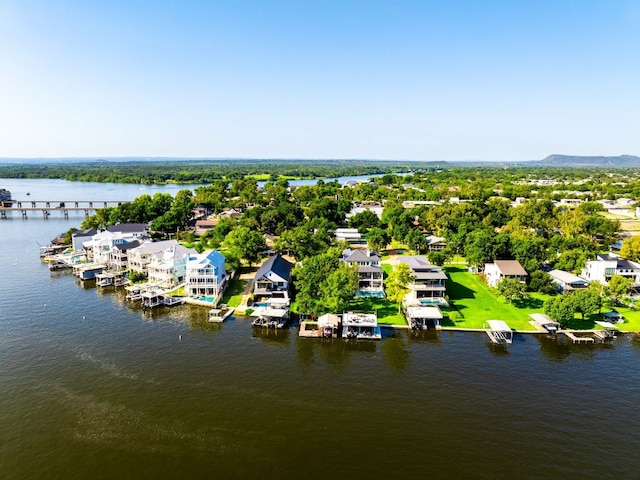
(398, 79)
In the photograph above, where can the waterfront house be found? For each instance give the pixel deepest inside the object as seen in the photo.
(606, 265)
(80, 236)
(206, 275)
(370, 282)
(140, 257)
(272, 279)
(500, 269)
(567, 281)
(168, 267)
(429, 281)
(99, 246)
(119, 255)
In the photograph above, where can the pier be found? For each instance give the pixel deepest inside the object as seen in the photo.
(577, 339)
(46, 207)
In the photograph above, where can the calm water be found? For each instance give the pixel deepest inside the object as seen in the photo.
(93, 388)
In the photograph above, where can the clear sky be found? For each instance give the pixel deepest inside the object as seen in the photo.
(415, 80)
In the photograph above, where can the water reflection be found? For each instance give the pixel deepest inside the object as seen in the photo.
(557, 348)
(498, 349)
(395, 352)
(336, 352)
(424, 336)
(275, 337)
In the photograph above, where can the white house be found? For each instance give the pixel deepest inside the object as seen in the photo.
(429, 283)
(168, 267)
(206, 274)
(369, 271)
(140, 257)
(501, 269)
(606, 265)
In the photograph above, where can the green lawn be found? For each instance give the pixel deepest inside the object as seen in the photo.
(473, 303)
(387, 311)
(233, 294)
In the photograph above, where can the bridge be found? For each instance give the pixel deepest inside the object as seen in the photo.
(46, 207)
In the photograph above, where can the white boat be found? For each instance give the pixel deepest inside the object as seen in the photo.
(219, 315)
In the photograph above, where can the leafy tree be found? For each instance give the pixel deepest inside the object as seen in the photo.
(340, 287)
(308, 279)
(438, 257)
(618, 287)
(364, 221)
(512, 289)
(415, 240)
(586, 301)
(542, 282)
(631, 249)
(377, 239)
(397, 282)
(560, 308)
(246, 244)
(530, 251)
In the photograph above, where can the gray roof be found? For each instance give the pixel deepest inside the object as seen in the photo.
(277, 265)
(430, 275)
(128, 245)
(89, 232)
(369, 269)
(359, 255)
(566, 277)
(127, 228)
(419, 264)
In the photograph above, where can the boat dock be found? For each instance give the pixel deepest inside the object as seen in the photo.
(576, 339)
(499, 332)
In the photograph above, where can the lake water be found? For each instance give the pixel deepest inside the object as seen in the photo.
(91, 387)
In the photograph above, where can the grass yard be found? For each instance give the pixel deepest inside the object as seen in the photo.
(473, 303)
(233, 294)
(387, 311)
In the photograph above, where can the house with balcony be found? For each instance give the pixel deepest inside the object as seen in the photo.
(168, 268)
(206, 276)
(429, 282)
(370, 282)
(607, 265)
(271, 281)
(118, 260)
(140, 257)
(500, 269)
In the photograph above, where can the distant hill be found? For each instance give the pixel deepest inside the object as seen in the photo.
(584, 161)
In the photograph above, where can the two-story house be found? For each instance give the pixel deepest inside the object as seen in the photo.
(370, 273)
(206, 275)
(429, 283)
(272, 280)
(607, 265)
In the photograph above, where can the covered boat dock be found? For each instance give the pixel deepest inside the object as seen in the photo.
(499, 332)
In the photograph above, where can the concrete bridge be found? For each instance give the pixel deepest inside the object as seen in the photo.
(46, 207)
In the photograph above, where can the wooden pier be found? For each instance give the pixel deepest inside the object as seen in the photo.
(46, 207)
(576, 339)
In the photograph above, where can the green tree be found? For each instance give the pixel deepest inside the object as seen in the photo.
(542, 282)
(560, 308)
(246, 244)
(364, 221)
(377, 239)
(618, 288)
(340, 287)
(586, 301)
(396, 285)
(309, 277)
(512, 289)
(631, 249)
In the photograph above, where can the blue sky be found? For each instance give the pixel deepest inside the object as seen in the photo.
(414, 80)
